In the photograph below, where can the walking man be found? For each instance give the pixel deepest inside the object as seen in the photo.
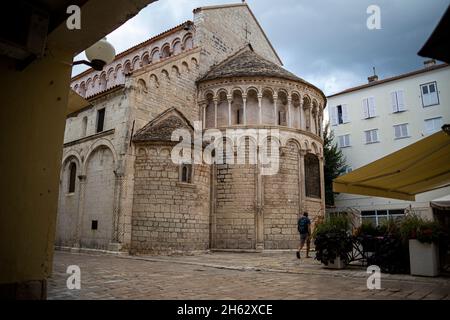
(304, 227)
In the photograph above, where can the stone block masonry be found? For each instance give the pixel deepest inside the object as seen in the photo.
(169, 215)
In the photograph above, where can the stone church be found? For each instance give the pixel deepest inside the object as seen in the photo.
(120, 189)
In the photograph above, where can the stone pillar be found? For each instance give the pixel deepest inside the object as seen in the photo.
(212, 206)
(244, 99)
(82, 191)
(259, 108)
(300, 109)
(289, 111)
(275, 100)
(259, 212)
(301, 180)
(203, 107)
(230, 99)
(215, 112)
(118, 182)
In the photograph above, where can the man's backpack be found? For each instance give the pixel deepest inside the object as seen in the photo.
(303, 225)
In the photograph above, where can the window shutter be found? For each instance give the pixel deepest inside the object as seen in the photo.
(375, 136)
(429, 126)
(372, 107)
(368, 137)
(400, 101)
(333, 114)
(404, 130)
(394, 102)
(365, 107)
(397, 131)
(345, 117)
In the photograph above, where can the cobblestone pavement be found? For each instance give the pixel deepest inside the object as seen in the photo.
(228, 276)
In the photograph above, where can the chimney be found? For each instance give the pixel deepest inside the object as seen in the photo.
(429, 63)
(374, 77)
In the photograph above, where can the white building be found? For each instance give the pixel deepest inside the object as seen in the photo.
(373, 120)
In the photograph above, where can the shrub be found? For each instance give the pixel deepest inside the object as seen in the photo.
(414, 227)
(332, 239)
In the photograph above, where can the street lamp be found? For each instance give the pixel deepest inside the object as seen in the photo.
(99, 54)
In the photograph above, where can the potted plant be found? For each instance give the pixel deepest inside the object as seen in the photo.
(423, 237)
(333, 242)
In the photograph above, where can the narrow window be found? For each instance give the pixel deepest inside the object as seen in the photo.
(433, 125)
(84, 126)
(401, 131)
(186, 173)
(430, 96)
(312, 176)
(339, 115)
(72, 177)
(238, 116)
(100, 119)
(94, 225)
(397, 101)
(371, 136)
(344, 141)
(368, 106)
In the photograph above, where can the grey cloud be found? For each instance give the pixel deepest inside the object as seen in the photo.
(325, 42)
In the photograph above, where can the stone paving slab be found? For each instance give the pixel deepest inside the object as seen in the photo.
(226, 276)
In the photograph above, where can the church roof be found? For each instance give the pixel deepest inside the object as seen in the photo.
(245, 63)
(161, 128)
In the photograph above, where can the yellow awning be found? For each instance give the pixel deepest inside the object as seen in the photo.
(420, 167)
(75, 102)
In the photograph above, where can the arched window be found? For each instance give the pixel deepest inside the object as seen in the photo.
(72, 176)
(312, 176)
(186, 173)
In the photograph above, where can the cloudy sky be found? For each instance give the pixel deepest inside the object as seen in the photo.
(326, 42)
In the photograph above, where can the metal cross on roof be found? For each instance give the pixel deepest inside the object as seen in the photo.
(247, 32)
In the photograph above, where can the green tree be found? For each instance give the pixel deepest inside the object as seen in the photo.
(334, 163)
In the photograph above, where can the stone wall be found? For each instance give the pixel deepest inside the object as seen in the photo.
(169, 83)
(221, 31)
(168, 215)
(235, 205)
(82, 148)
(281, 202)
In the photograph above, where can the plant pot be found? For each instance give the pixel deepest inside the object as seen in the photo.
(423, 258)
(337, 264)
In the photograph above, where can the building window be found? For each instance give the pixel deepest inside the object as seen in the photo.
(371, 136)
(377, 217)
(312, 176)
(100, 120)
(281, 118)
(344, 141)
(433, 125)
(397, 100)
(84, 126)
(368, 106)
(430, 96)
(186, 173)
(94, 225)
(401, 131)
(72, 177)
(339, 115)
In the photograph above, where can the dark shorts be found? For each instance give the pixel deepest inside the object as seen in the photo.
(304, 237)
